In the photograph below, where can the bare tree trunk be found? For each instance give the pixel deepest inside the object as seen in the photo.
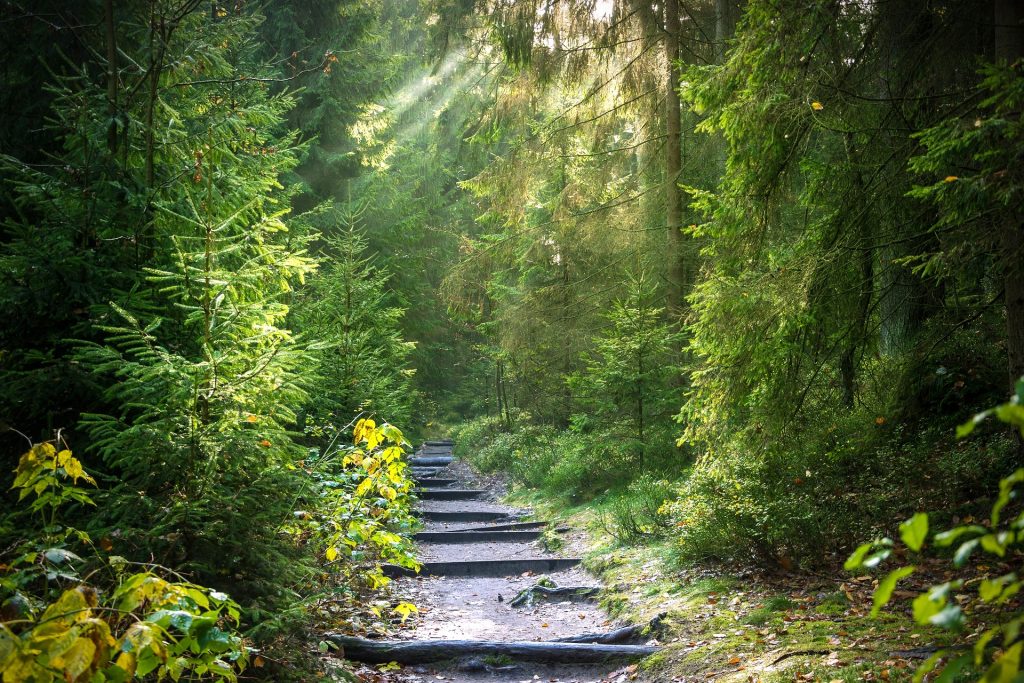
(866, 286)
(108, 21)
(676, 271)
(725, 25)
(1009, 48)
(902, 295)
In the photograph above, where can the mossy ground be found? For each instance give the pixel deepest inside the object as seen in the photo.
(747, 624)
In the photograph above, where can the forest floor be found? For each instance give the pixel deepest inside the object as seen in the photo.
(729, 624)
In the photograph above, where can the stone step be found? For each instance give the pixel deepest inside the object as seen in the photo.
(477, 536)
(463, 516)
(492, 568)
(435, 482)
(424, 472)
(513, 526)
(450, 494)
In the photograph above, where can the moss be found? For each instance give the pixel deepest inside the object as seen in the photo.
(833, 603)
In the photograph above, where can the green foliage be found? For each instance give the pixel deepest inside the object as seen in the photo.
(638, 514)
(996, 648)
(357, 360)
(144, 624)
(362, 505)
(969, 170)
(206, 390)
(630, 371)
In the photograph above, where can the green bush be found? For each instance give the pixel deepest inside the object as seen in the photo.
(637, 515)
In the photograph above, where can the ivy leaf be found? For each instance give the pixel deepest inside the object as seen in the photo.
(885, 588)
(864, 558)
(964, 552)
(928, 666)
(949, 617)
(967, 427)
(946, 538)
(952, 670)
(914, 531)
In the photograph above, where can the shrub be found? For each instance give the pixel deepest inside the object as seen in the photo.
(55, 626)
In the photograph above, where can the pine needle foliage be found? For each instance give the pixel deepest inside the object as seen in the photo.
(358, 361)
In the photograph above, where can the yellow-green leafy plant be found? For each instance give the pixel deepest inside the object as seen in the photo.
(359, 515)
(57, 627)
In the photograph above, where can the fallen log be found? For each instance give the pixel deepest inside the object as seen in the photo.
(427, 651)
(619, 635)
(527, 596)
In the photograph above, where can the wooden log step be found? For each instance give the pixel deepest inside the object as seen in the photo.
(491, 568)
(424, 461)
(439, 442)
(450, 494)
(435, 482)
(476, 536)
(427, 651)
(463, 516)
(514, 526)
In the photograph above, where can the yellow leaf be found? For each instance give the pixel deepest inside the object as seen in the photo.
(364, 486)
(332, 554)
(817, 106)
(404, 609)
(951, 179)
(357, 432)
(78, 658)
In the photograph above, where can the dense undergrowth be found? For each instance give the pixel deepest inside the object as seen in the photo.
(729, 274)
(803, 502)
(75, 607)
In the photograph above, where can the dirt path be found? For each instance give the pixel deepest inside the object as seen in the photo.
(472, 599)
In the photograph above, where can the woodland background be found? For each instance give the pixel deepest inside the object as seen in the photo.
(731, 271)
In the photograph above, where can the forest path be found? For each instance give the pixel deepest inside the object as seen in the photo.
(478, 555)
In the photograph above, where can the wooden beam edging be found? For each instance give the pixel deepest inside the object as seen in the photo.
(427, 651)
(491, 568)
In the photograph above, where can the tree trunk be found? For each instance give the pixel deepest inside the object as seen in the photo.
(677, 261)
(725, 25)
(902, 296)
(111, 36)
(857, 331)
(1009, 49)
